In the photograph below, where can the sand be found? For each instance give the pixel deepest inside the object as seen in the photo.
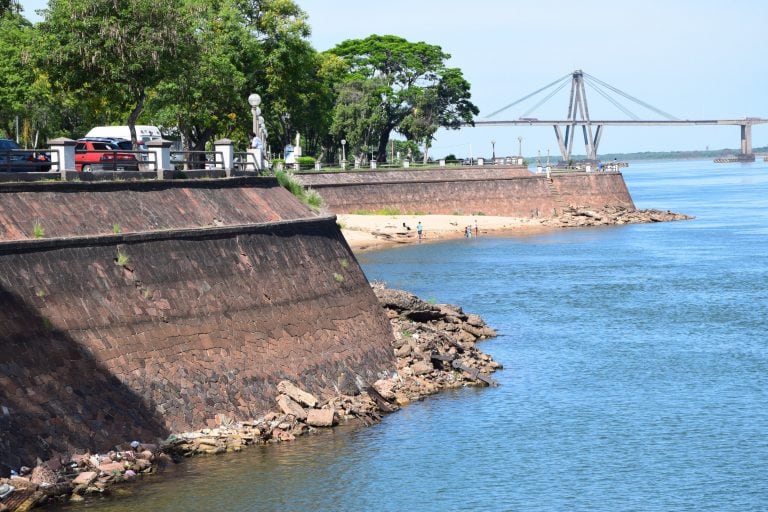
(365, 232)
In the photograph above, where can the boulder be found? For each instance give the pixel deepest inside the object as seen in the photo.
(112, 467)
(299, 395)
(422, 367)
(320, 417)
(43, 475)
(403, 351)
(288, 406)
(386, 388)
(85, 478)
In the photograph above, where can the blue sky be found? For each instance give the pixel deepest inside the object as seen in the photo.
(695, 59)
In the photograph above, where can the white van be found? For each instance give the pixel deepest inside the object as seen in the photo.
(144, 133)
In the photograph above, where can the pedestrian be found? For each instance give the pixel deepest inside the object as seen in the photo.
(255, 140)
(468, 232)
(477, 230)
(419, 230)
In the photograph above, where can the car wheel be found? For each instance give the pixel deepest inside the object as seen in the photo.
(86, 168)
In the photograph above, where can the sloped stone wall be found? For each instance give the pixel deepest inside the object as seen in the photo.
(506, 192)
(105, 338)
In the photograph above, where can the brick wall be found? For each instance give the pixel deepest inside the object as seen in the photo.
(507, 192)
(197, 322)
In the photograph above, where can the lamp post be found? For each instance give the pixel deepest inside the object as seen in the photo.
(493, 147)
(255, 100)
(520, 147)
(343, 153)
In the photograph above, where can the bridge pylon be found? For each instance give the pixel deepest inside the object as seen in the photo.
(578, 114)
(592, 130)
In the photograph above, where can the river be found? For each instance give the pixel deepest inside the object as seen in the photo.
(636, 375)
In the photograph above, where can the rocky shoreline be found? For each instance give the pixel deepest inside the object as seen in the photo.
(610, 216)
(436, 349)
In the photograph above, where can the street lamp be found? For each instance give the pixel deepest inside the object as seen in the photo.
(255, 100)
(343, 153)
(520, 148)
(493, 146)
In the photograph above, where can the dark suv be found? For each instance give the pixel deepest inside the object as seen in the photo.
(15, 159)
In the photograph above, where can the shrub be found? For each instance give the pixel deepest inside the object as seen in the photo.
(308, 197)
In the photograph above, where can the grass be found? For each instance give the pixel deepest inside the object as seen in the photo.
(338, 277)
(306, 196)
(314, 199)
(37, 230)
(116, 229)
(122, 258)
(47, 324)
(380, 211)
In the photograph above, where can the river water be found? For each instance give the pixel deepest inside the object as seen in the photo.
(636, 375)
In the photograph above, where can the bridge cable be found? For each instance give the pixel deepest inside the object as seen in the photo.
(547, 98)
(632, 98)
(568, 76)
(618, 105)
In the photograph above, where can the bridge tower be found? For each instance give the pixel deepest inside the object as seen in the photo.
(578, 113)
(746, 138)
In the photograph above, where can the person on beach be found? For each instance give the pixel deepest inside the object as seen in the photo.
(477, 230)
(468, 232)
(419, 230)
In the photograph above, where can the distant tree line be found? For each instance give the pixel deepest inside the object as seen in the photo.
(188, 66)
(677, 155)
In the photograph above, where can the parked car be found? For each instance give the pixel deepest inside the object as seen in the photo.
(119, 142)
(100, 155)
(15, 159)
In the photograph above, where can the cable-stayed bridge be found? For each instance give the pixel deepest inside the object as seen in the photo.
(592, 129)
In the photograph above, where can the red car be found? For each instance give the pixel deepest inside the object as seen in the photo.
(92, 155)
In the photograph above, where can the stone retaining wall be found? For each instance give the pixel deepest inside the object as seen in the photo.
(510, 192)
(109, 337)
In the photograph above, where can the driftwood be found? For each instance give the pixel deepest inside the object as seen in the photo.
(474, 373)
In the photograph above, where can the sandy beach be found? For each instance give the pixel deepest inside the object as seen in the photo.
(365, 232)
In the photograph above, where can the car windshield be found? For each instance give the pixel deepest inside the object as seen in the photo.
(6, 144)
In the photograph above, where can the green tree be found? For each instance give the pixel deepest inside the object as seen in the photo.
(8, 6)
(359, 116)
(206, 98)
(245, 46)
(287, 73)
(116, 49)
(16, 73)
(417, 85)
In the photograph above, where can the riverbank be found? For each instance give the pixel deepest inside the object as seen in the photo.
(435, 347)
(367, 232)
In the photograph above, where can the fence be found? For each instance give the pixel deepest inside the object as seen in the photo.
(63, 162)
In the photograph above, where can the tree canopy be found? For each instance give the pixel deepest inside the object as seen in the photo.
(119, 49)
(189, 66)
(417, 93)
